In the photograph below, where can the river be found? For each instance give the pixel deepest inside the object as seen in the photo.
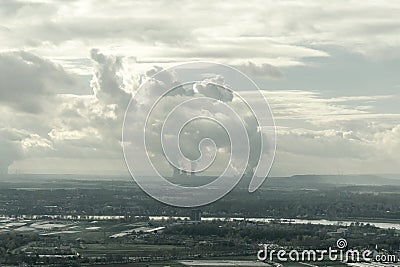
(383, 225)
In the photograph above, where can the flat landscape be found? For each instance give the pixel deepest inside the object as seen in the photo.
(89, 222)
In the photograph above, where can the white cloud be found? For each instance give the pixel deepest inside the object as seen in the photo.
(332, 135)
(61, 124)
(264, 69)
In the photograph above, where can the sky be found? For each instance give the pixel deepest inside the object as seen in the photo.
(329, 70)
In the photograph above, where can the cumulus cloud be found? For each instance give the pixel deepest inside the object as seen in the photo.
(208, 88)
(197, 130)
(19, 143)
(107, 80)
(27, 79)
(78, 126)
(314, 130)
(90, 126)
(28, 89)
(265, 69)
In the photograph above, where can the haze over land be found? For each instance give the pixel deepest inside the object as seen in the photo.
(292, 181)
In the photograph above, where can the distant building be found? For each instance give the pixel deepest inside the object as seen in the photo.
(178, 173)
(192, 169)
(341, 232)
(195, 215)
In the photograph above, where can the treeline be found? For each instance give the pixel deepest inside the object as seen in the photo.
(328, 203)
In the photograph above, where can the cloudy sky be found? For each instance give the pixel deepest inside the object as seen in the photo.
(330, 71)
